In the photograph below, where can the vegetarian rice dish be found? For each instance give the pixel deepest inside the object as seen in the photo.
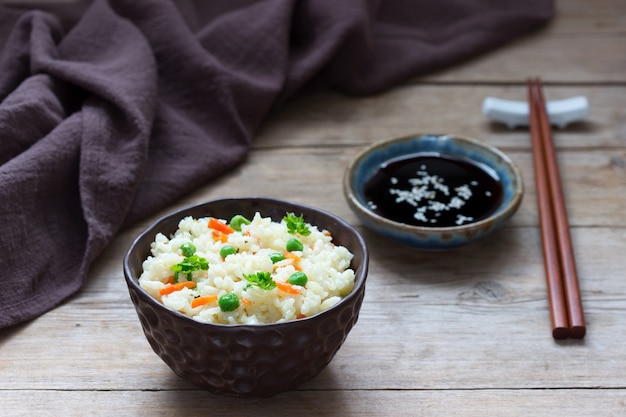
(247, 271)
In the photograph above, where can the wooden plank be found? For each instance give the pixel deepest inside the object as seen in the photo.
(331, 119)
(583, 44)
(576, 17)
(555, 60)
(454, 403)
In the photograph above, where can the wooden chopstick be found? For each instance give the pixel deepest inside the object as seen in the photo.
(562, 279)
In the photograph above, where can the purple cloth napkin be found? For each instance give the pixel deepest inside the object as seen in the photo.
(112, 110)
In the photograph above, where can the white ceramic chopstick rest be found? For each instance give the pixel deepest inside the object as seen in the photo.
(516, 113)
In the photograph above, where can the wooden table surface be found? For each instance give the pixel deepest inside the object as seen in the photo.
(462, 333)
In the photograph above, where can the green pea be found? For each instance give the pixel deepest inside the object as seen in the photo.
(188, 249)
(298, 278)
(276, 257)
(227, 250)
(294, 245)
(237, 221)
(228, 302)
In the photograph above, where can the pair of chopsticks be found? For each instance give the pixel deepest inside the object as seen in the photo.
(566, 308)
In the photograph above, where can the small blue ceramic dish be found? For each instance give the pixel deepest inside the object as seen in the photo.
(421, 229)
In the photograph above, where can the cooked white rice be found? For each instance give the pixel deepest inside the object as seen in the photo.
(326, 266)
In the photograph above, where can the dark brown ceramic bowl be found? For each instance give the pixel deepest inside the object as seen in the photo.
(247, 360)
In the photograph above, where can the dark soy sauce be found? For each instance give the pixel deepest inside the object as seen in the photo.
(434, 190)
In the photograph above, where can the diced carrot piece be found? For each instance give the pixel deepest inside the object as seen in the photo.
(217, 235)
(170, 288)
(294, 258)
(215, 224)
(200, 301)
(288, 288)
(291, 255)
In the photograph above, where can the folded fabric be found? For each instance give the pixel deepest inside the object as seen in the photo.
(111, 110)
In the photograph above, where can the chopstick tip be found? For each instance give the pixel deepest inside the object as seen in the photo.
(560, 333)
(578, 332)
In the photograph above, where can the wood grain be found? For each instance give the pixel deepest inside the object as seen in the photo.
(344, 403)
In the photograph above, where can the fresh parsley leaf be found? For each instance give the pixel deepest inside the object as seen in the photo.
(188, 265)
(261, 279)
(296, 224)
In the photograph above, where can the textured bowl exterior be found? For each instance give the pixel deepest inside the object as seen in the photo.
(365, 164)
(247, 360)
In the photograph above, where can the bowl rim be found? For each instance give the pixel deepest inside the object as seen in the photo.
(359, 280)
(501, 213)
